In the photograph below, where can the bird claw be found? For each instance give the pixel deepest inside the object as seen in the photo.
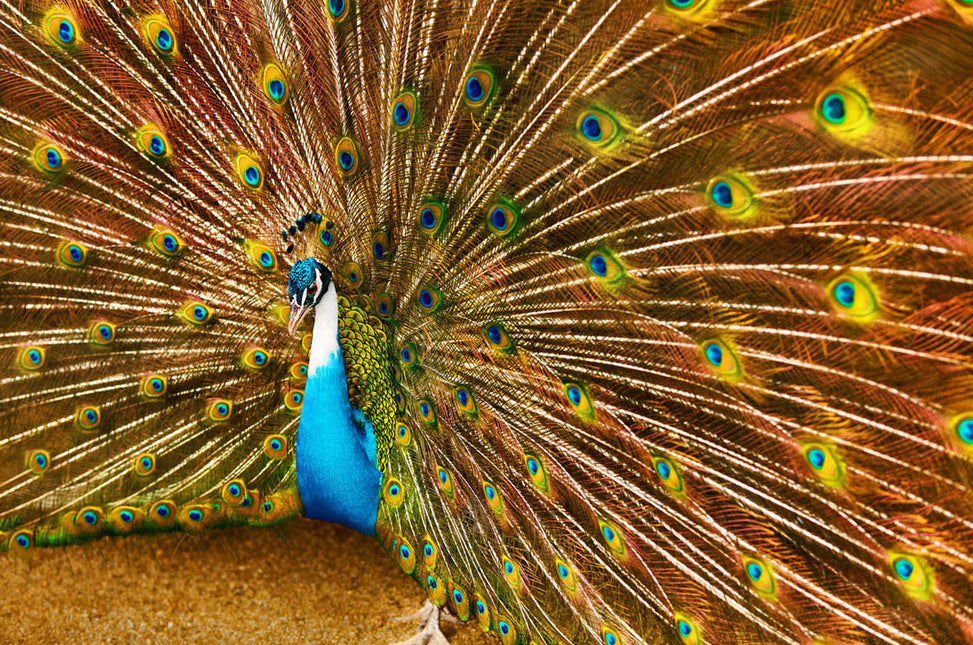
(429, 633)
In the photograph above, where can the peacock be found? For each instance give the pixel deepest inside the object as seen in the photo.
(613, 321)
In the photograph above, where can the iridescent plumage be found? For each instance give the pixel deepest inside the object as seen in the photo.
(659, 312)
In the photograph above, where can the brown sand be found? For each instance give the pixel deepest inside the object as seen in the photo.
(302, 582)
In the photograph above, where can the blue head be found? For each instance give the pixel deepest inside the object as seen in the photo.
(308, 282)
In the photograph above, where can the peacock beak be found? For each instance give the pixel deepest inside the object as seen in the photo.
(297, 315)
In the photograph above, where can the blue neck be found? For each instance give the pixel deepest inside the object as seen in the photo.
(337, 476)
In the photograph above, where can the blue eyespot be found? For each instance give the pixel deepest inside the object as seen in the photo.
(964, 429)
(431, 582)
(23, 541)
(267, 506)
(427, 218)
(663, 469)
(714, 354)
(480, 607)
(722, 194)
(443, 476)
(575, 395)
(199, 312)
(65, 32)
(457, 596)
(346, 160)
(266, 259)
(816, 457)
(326, 238)
(404, 552)
(562, 571)
(91, 415)
(494, 333)
(336, 7)
(40, 460)
(276, 89)
(252, 175)
(508, 567)
(75, 251)
(126, 516)
(90, 517)
(844, 293)
(234, 490)
(425, 298)
(755, 571)
(170, 243)
(504, 627)
(598, 265)
(162, 510)
(275, 444)
(499, 219)
(903, 568)
(533, 466)
(591, 128)
(424, 408)
(394, 490)
(146, 462)
(684, 628)
(157, 146)
(53, 159)
(196, 515)
(833, 108)
(379, 250)
(104, 331)
(406, 354)
(490, 493)
(427, 550)
(474, 89)
(608, 533)
(164, 40)
(463, 396)
(401, 114)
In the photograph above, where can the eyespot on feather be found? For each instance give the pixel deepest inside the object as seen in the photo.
(506, 630)
(431, 217)
(159, 35)
(825, 463)
(32, 358)
(196, 313)
(262, 257)
(435, 590)
(219, 410)
(855, 297)
(166, 242)
(49, 158)
(154, 386)
(256, 358)
(88, 520)
(427, 410)
(393, 493)
(429, 300)
(511, 572)
(465, 403)
(537, 472)
(338, 10)
(722, 360)
(61, 27)
(598, 129)
(913, 574)
(153, 142)
(20, 543)
(405, 111)
(843, 111)
(610, 636)
(497, 338)
(274, 83)
(249, 171)
(503, 219)
(669, 474)
(352, 275)
(88, 418)
(686, 629)
(445, 480)
(346, 157)
(482, 612)
(101, 333)
(406, 556)
(144, 464)
(124, 518)
(38, 461)
(403, 435)
(612, 537)
(479, 86)
(578, 400)
(234, 492)
(72, 254)
(605, 267)
(460, 601)
(293, 400)
(493, 498)
(163, 513)
(298, 372)
(383, 305)
(430, 553)
(732, 197)
(760, 576)
(566, 575)
(275, 446)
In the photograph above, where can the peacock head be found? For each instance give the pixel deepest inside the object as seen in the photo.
(308, 282)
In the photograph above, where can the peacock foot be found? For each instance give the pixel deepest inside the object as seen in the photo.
(428, 634)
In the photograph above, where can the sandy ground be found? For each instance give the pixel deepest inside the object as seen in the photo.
(302, 582)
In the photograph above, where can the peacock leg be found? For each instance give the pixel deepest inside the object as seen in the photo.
(429, 634)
